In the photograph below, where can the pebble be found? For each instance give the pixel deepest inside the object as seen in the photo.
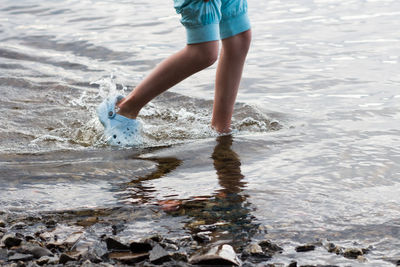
(43, 260)
(254, 249)
(18, 226)
(270, 247)
(180, 256)
(139, 247)
(20, 257)
(113, 244)
(10, 240)
(202, 237)
(352, 253)
(220, 255)
(305, 248)
(64, 258)
(127, 256)
(34, 250)
(159, 255)
(3, 254)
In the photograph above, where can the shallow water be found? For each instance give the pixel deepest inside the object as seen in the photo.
(315, 154)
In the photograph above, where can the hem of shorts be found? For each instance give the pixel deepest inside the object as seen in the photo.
(202, 34)
(234, 26)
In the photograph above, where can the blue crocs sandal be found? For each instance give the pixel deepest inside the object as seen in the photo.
(118, 130)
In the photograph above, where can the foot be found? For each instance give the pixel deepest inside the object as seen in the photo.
(118, 130)
(124, 110)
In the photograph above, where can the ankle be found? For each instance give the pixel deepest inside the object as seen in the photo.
(221, 129)
(124, 109)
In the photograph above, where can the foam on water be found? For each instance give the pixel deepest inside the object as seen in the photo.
(169, 119)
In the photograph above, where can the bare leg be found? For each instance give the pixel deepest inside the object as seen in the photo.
(169, 72)
(229, 74)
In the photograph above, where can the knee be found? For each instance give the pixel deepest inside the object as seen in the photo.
(205, 54)
(238, 45)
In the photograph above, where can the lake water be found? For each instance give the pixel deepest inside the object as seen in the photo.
(316, 149)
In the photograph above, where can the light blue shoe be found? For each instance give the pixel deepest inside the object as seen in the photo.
(118, 130)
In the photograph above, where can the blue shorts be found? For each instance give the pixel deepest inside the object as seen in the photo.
(212, 20)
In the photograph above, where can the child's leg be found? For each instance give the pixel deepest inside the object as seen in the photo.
(191, 59)
(229, 73)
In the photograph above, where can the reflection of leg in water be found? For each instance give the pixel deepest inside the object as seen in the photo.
(227, 164)
(223, 216)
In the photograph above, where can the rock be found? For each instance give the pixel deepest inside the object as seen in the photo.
(254, 249)
(20, 257)
(139, 247)
(270, 247)
(34, 250)
(71, 240)
(88, 221)
(3, 254)
(64, 258)
(43, 260)
(352, 253)
(10, 240)
(202, 237)
(292, 264)
(173, 247)
(305, 248)
(116, 228)
(219, 255)
(18, 226)
(180, 256)
(113, 244)
(51, 224)
(2, 224)
(159, 255)
(29, 238)
(332, 248)
(207, 227)
(362, 259)
(46, 236)
(158, 238)
(128, 257)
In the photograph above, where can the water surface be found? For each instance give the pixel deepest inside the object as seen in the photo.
(315, 155)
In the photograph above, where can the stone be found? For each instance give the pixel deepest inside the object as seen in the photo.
(43, 260)
(3, 254)
(332, 248)
(18, 226)
(10, 240)
(113, 244)
(159, 255)
(116, 228)
(2, 224)
(20, 257)
(88, 221)
(218, 255)
(292, 264)
(202, 237)
(270, 247)
(352, 253)
(71, 240)
(254, 249)
(180, 256)
(64, 258)
(46, 236)
(35, 250)
(139, 247)
(128, 257)
(305, 248)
